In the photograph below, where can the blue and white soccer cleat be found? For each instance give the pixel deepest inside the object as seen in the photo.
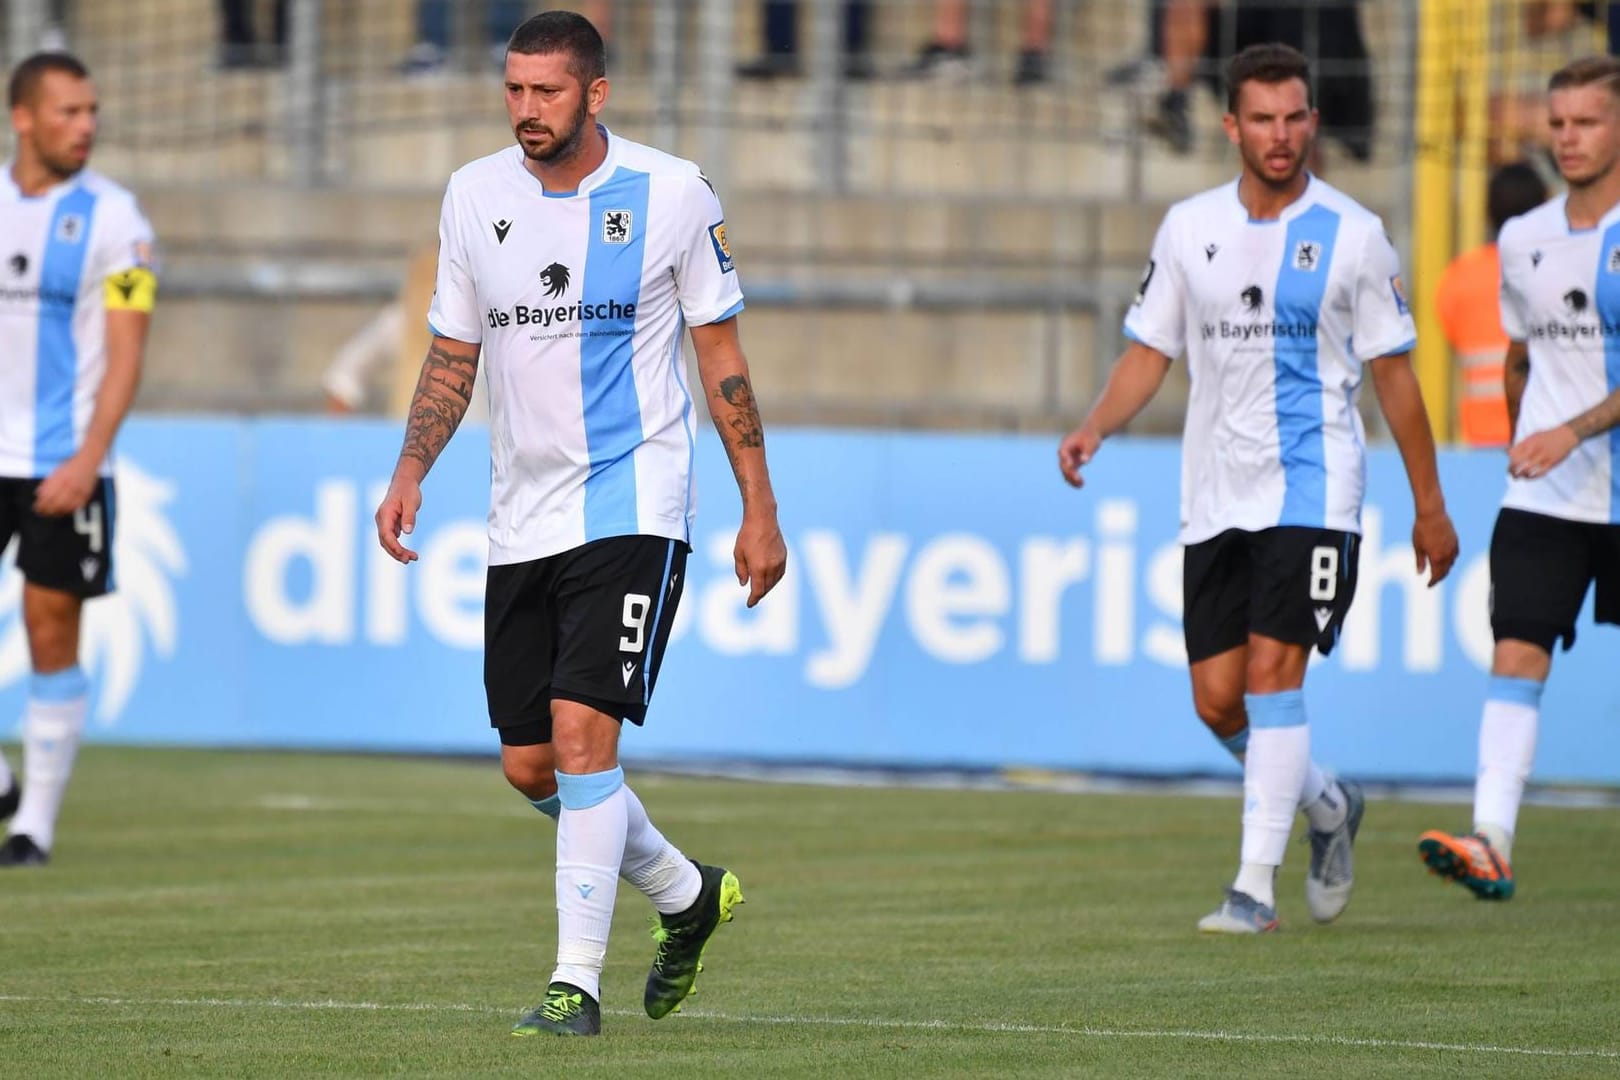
(1332, 873)
(1239, 913)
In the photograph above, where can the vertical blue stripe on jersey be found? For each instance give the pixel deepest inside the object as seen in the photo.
(1608, 306)
(658, 620)
(677, 358)
(1298, 390)
(606, 359)
(56, 363)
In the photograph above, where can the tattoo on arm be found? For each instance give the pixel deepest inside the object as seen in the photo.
(1601, 417)
(739, 427)
(442, 395)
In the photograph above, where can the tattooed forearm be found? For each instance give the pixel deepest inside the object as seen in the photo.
(442, 395)
(1603, 416)
(742, 420)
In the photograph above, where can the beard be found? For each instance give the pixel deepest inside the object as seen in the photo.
(563, 145)
(1261, 172)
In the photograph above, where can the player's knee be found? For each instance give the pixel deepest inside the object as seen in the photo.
(1221, 712)
(1273, 670)
(535, 779)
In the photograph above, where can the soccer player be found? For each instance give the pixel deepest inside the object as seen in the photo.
(575, 259)
(1278, 288)
(1558, 531)
(76, 294)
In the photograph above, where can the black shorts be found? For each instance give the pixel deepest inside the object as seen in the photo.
(73, 552)
(587, 625)
(1289, 583)
(1540, 569)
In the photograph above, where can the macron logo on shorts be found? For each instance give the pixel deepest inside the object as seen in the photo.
(1324, 615)
(629, 671)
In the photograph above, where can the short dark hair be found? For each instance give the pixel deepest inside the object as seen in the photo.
(26, 76)
(1586, 71)
(1269, 62)
(1515, 189)
(564, 32)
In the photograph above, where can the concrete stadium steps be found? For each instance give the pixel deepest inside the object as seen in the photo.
(918, 138)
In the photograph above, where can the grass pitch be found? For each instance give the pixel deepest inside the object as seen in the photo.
(269, 915)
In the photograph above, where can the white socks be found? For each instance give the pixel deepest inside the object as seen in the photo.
(57, 706)
(590, 848)
(1507, 747)
(1321, 798)
(656, 866)
(1274, 771)
(651, 863)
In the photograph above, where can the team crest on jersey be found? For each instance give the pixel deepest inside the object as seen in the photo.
(1307, 253)
(1399, 290)
(1613, 261)
(70, 229)
(616, 226)
(722, 248)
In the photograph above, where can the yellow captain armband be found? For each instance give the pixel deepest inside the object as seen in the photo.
(134, 289)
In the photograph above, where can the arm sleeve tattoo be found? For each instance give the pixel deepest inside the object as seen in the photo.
(442, 395)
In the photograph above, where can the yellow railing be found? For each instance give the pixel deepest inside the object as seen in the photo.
(1480, 67)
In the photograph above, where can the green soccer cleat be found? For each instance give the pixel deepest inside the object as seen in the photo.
(681, 939)
(20, 850)
(567, 1010)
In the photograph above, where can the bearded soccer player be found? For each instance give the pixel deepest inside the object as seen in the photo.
(1282, 292)
(76, 294)
(576, 259)
(1558, 532)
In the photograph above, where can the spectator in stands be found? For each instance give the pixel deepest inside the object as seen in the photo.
(240, 46)
(1470, 311)
(1201, 31)
(781, 41)
(947, 52)
(390, 347)
(435, 23)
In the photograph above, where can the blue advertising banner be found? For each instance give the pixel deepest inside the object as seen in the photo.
(949, 602)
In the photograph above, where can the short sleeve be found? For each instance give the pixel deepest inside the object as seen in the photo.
(1158, 314)
(453, 312)
(1382, 315)
(125, 258)
(705, 275)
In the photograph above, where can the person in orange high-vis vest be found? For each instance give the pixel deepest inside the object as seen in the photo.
(1471, 318)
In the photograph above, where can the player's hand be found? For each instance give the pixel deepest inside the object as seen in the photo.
(1538, 454)
(1076, 450)
(397, 515)
(1434, 541)
(67, 488)
(760, 554)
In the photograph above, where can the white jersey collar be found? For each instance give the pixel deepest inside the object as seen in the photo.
(1306, 199)
(593, 179)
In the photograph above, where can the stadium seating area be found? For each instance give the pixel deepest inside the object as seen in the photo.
(975, 239)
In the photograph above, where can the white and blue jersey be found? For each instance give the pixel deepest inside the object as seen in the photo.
(581, 301)
(1561, 297)
(1276, 319)
(59, 252)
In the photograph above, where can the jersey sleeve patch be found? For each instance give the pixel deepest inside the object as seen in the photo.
(1147, 279)
(134, 289)
(1399, 289)
(722, 249)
